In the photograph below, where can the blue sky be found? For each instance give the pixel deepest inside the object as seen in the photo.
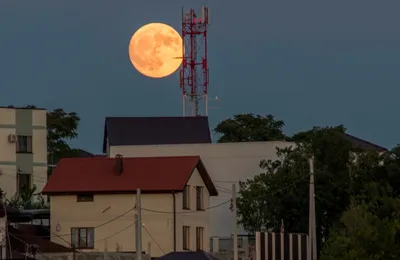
(306, 62)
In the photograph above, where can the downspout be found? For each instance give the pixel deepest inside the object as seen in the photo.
(174, 218)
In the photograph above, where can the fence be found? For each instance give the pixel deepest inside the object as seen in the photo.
(90, 256)
(281, 246)
(222, 247)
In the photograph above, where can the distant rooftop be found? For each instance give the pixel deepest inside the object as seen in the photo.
(155, 131)
(363, 144)
(25, 107)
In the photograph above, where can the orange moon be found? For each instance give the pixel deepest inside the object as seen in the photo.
(155, 50)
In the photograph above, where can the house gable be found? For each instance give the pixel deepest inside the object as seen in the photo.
(200, 171)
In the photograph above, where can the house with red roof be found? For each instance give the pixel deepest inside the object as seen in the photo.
(92, 203)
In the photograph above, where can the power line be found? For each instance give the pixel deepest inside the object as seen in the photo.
(223, 190)
(116, 233)
(70, 244)
(125, 228)
(28, 246)
(283, 188)
(14, 176)
(222, 181)
(187, 212)
(152, 238)
(155, 211)
(229, 201)
(166, 212)
(123, 214)
(104, 223)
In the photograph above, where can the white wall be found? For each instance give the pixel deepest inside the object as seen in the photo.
(226, 163)
(8, 179)
(7, 150)
(39, 146)
(8, 157)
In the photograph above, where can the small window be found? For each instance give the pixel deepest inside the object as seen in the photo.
(24, 182)
(199, 198)
(199, 238)
(82, 238)
(186, 238)
(24, 144)
(186, 198)
(84, 197)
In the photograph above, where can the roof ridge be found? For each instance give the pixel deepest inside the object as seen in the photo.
(158, 117)
(150, 174)
(141, 157)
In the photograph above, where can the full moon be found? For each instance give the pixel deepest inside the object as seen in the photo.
(155, 50)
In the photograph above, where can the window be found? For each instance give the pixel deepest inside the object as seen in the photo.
(199, 238)
(23, 182)
(84, 197)
(186, 197)
(186, 238)
(82, 238)
(24, 144)
(199, 198)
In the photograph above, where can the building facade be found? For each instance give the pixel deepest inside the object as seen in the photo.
(23, 149)
(227, 163)
(96, 212)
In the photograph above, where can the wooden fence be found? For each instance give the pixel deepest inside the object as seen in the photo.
(281, 246)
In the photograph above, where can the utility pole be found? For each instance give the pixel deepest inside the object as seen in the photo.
(73, 252)
(312, 239)
(235, 227)
(138, 226)
(3, 229)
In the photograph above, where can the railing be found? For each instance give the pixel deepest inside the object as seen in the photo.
(222, 247)
(90, 256)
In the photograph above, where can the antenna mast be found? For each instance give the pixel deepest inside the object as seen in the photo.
(193, 75)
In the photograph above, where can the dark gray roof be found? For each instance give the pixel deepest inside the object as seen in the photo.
(362, 144)
(8, 210)
(199, 255)
(156, 130)
(80, 153)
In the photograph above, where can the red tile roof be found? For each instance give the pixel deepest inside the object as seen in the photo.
(151, 175)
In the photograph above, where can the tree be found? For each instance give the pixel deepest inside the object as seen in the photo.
(281, 192)
(250, 128)
(363, 235)
(370, 228)
(24, 199)
(61, 126)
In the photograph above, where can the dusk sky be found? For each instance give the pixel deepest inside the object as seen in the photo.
(309, 63)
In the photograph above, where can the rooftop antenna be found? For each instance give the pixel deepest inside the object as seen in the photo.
(193, 75)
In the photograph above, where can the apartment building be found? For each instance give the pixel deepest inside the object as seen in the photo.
(23, 148)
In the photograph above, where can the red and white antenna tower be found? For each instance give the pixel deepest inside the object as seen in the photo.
(193, 75)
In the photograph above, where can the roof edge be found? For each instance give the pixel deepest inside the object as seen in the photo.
(378, 147)
(212, 190)
(108, 192)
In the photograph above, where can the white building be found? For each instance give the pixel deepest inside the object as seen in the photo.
(23, 149)
(227, 163)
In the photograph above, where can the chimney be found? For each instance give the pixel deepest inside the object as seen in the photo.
(119, 166)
